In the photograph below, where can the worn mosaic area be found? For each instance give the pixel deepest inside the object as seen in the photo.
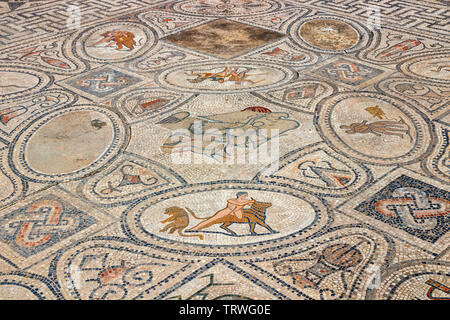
(93, 205)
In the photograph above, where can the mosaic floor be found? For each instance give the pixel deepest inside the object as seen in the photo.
(120, 178)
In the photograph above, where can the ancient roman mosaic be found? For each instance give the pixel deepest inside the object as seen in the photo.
(100, 200)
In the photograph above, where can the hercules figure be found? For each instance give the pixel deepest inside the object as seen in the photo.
(234, 207)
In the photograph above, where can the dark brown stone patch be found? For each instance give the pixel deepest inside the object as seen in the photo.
(223, 38)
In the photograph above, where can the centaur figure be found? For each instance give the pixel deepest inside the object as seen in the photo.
(234, 212)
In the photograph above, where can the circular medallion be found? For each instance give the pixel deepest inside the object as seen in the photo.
(68, 143)
(373, 128)
(432, 68)
(329, 34)
(115, 42)
(198, 218)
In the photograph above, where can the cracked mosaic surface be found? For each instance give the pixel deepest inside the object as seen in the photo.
(93, 205)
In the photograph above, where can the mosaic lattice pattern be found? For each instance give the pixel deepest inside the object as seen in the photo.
(93, 205)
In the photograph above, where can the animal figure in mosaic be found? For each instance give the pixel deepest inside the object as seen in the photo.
(255, 215)
(388, 127)
(118, 38)
(238, 129)
(227, 74)
(179, 220)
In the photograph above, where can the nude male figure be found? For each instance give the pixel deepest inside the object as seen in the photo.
(234, 207)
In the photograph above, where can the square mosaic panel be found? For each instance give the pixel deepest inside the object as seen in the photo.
(224, 38)
(411, 205)
(43, 223)
(102, 83)
(348, 72)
